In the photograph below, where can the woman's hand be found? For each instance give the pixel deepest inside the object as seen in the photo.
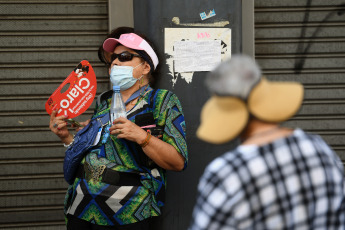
(58, 125)
(162, 153)
(128, 130)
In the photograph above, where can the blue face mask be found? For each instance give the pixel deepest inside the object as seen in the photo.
(123, 76)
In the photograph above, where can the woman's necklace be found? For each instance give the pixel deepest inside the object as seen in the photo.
(136, 95)
(142, 94)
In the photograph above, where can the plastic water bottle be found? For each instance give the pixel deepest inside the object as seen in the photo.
(118, 108)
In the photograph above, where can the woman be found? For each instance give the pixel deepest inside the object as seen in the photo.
(120, 183)
(278, 177)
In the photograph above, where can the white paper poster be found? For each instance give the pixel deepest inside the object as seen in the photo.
(189, 50)
(191, 56)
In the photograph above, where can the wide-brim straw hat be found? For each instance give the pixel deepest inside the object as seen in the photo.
(224, 117)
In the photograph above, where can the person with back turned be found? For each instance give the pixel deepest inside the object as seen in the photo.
(277, 178)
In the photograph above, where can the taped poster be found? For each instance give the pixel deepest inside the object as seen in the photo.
(198, 46)
(81, 87)
(192, 56)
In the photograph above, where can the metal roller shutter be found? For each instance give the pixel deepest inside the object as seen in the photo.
(41, 42)
(305, 41)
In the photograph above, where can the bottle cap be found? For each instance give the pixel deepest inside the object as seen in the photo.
(116, 88)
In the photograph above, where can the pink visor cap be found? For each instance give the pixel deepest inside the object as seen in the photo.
(131, 41)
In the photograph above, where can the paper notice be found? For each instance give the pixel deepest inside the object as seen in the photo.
(191, 56)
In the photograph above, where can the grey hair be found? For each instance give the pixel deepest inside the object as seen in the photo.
(234, 77)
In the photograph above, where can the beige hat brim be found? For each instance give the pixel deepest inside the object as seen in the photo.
(275, 101)
(222, 119)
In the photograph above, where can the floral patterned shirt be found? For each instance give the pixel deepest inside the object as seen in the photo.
(109, 204)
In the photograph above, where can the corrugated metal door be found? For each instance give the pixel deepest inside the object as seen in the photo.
(305, 41)
(41, 42)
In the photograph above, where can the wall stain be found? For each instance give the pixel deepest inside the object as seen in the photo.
(299, 63)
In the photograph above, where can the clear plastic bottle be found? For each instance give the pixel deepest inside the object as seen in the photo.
(118, 108)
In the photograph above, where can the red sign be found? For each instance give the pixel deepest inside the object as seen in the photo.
(79, 95)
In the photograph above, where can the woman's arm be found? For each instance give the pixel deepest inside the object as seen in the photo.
(58, 125)
(162, 153)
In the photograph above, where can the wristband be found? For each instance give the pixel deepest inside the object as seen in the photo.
(69, 143)
(147, 140)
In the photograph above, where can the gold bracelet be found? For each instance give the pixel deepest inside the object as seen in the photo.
(147, 140)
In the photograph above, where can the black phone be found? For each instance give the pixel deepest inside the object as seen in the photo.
(73, 122)
(144, 119)
(147, 122)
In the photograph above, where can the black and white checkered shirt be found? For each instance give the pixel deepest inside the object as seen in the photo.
(295, 182)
